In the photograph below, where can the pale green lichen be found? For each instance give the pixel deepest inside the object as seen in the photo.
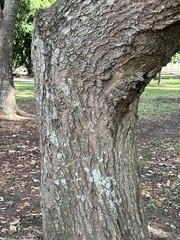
(55, 56)
(66, 30)
(47, 95)
(69, 17)
(83, 18)
(57, 182)
(75, 104)
(87, 1)
(39, 44)
(77, 177)
(91, 9)
(65, 86)
(81, 197)
(60, 181)
(104, 187)
(59, 156)
(76, 174)
(111, 204)
(63, 181)
(45, 159)
(97, 177)
(100, 160)
(110, 2)
(86, 169)
(69, 80)
(65, 89)
(54, 139)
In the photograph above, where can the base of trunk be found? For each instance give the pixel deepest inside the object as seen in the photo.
(8, 105)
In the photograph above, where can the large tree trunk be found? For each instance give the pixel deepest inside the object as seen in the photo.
(92, 60)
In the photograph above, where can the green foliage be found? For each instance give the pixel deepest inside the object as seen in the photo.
(23, 31)
(16, 147)
(39, 4)
(176, 57)
(22, 38)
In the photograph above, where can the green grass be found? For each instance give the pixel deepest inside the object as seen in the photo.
(24, 90)
(155, 101)
(160, 100)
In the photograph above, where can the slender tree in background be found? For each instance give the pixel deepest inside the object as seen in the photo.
(159, 78)
(92, 60)
(8, 12)
(22, 46)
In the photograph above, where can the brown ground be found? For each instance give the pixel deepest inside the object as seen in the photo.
(159, 153)
(159, 156)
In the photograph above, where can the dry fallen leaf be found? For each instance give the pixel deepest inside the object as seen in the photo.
(15, 221)
(168, 183)
(172, 226)
(158, 203)
(11, 230)
(26, 204)
(1, 199)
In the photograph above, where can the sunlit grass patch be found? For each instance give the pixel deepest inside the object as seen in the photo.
(160, 100)
(24, 90)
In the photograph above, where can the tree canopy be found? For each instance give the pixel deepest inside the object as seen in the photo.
(23, 32)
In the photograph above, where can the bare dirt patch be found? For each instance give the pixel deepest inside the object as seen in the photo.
(159, 156)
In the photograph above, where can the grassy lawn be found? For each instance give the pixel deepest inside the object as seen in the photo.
(155, 101)
(160, 100)
(24, 90)
(25, 96)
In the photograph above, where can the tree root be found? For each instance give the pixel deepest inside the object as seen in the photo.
(19, 115)
(22, 113)
(157, 233)
(16, 117)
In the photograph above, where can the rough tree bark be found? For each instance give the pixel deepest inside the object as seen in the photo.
(92, 60)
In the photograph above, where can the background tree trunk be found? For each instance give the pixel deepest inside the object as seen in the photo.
(159, 78)
(92, 60)
(8, 14)
(29, 67)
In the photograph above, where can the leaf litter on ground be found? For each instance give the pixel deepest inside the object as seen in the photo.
(159, 158)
